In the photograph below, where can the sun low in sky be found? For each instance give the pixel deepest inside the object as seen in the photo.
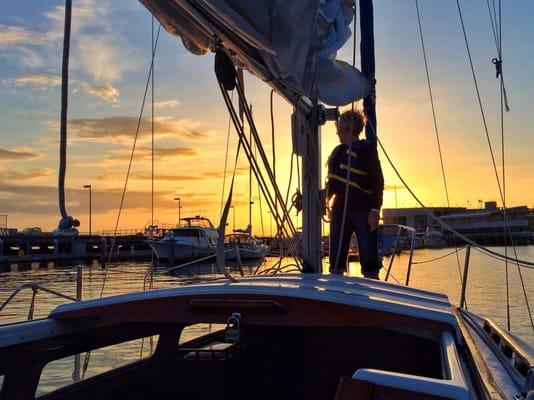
(110, 59)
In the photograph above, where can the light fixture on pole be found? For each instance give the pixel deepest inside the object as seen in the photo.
(90, 208)
(179, 209)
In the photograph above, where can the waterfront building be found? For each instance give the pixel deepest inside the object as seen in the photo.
(416, 217)
(485, 226)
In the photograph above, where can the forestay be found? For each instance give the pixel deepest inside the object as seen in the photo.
(289, 44)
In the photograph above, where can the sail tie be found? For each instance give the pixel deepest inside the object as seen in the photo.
(498, 66)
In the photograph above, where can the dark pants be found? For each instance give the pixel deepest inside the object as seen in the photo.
(356, 222)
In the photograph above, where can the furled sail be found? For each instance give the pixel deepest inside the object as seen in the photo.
(289, 44)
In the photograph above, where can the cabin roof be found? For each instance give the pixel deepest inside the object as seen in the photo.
(357, 292)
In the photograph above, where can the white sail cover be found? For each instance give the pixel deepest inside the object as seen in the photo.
(290, 44)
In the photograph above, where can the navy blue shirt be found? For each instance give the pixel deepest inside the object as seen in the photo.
(366, 181)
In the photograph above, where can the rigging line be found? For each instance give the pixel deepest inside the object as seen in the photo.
(250, 181)
(497, 34)
(152, 123)
(440, 257)
(226, 155)
(489, 141)
(496, 257)
(436, 130)
(263, 156)
(495, 16)
(259, 176)
(496, 26)
(479, 100)
(446, 226)
(290, 181)
(133, 147)
(259, 199)
(272, 140)
(523, 263)
(507, 276)
(493, 24)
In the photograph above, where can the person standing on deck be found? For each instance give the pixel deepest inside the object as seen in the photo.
(358, 161)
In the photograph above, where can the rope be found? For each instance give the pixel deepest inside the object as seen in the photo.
(131, 157)
(226, 155)
(242, 99)
(440, 257)
(501, 190)
(523, 263)
(134, 144)
(259, 199)
(436, 130)
(273, 142)
(479, 99)
(498, 66)
(246, 145)
(483, 249)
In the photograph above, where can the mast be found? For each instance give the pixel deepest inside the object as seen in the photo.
(310, 150)
(367, 52)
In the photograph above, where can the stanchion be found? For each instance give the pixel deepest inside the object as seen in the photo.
(410, 259)
(464, 280)
(238, 258)
(79, 282)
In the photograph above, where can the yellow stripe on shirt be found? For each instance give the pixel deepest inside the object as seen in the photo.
(352, 153)
(353, 184)
(356, 171)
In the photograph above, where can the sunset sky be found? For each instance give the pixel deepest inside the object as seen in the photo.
(110, 58)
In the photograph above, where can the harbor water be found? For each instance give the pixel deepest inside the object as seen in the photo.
(432, 269)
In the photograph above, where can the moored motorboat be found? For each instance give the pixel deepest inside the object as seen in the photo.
(194, 238)
(248, 247)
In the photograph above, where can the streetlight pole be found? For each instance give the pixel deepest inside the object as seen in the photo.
(179, 209)
(233, 217)
(90, 208)
(270, 223)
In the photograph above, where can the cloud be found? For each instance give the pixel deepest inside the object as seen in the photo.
(189, 176)
(98, 46)
(105, 92)
(42, 200)
(104, 57)
(171, 103)
(24, 175)
(28, 58)
(145, 153)
(123, 128)
(17, 35)
(17, 154)
(37, 80)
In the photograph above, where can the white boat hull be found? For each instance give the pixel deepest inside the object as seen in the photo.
(246, 253)
(168, 250)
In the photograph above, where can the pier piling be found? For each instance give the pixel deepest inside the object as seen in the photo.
(103, 252)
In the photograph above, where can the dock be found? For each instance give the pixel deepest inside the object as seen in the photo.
(22, 249)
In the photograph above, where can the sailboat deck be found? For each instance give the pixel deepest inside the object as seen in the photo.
(296, 299)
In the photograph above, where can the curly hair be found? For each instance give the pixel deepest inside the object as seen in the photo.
(352, 121)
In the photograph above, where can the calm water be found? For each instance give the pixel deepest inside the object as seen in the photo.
(486, 295)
